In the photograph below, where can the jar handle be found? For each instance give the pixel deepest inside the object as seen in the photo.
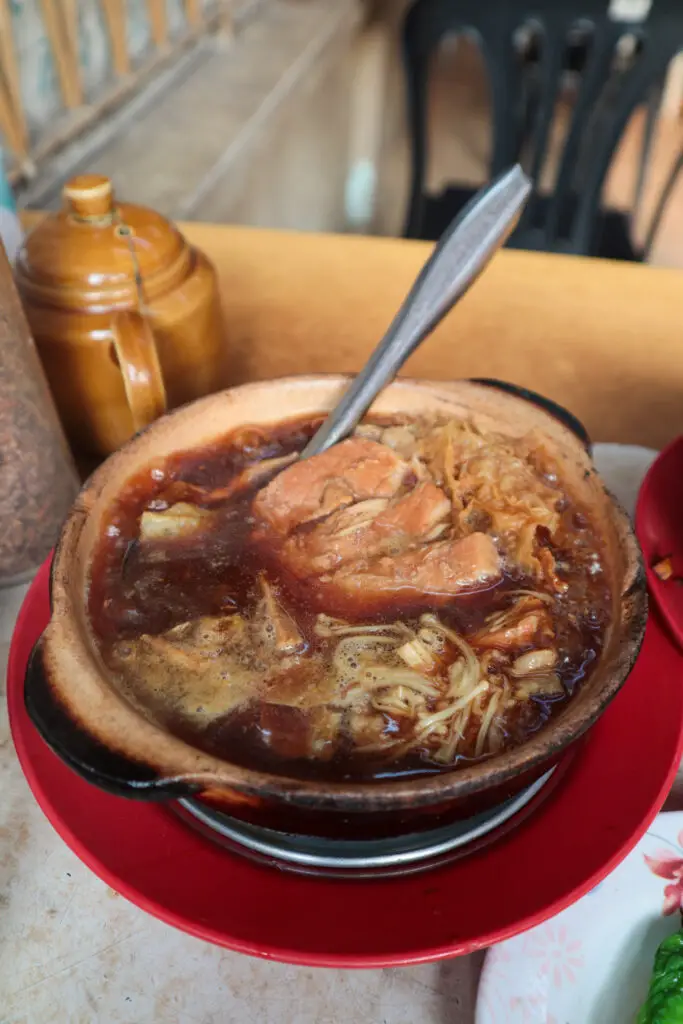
(138, 360)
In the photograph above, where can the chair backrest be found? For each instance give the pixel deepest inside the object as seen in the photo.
(624, 61)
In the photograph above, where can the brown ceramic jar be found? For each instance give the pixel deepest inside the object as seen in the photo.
(125, 315)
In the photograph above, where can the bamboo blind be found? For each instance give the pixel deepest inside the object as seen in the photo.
(60, 19)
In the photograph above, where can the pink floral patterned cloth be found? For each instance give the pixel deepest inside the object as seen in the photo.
(669, 864)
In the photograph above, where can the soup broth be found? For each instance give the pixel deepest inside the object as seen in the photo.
(421, 596)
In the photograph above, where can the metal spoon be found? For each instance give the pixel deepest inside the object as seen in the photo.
(460, 255)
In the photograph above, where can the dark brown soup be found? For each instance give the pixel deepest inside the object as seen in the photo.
(420, 596)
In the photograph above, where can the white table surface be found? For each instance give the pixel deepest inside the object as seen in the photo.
(74, 952)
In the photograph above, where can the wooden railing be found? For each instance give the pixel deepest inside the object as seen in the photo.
(60, 24)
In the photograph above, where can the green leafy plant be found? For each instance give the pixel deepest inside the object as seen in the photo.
(664, 1003)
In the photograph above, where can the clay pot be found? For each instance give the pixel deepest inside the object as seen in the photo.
(79, 711)
(125, 315)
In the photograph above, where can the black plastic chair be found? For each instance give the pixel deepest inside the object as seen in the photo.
(527, 46)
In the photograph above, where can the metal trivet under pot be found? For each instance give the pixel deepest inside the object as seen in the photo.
(394, 855)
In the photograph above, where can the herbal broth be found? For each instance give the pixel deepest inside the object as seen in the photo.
(420, 596)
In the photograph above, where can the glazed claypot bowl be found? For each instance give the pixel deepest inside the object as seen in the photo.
(76, 705)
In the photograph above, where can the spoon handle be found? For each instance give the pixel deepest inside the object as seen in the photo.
(460, 255)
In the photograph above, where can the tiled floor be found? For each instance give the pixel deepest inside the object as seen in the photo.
(251, 133)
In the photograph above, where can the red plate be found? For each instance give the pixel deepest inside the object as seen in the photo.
(613, 788)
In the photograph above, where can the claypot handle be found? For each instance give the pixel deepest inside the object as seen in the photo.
(138, 359)
(85, 754)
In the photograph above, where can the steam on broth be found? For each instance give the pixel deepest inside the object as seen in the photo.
(419, 596)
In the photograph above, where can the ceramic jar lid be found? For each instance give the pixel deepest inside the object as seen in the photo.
(91, 254)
